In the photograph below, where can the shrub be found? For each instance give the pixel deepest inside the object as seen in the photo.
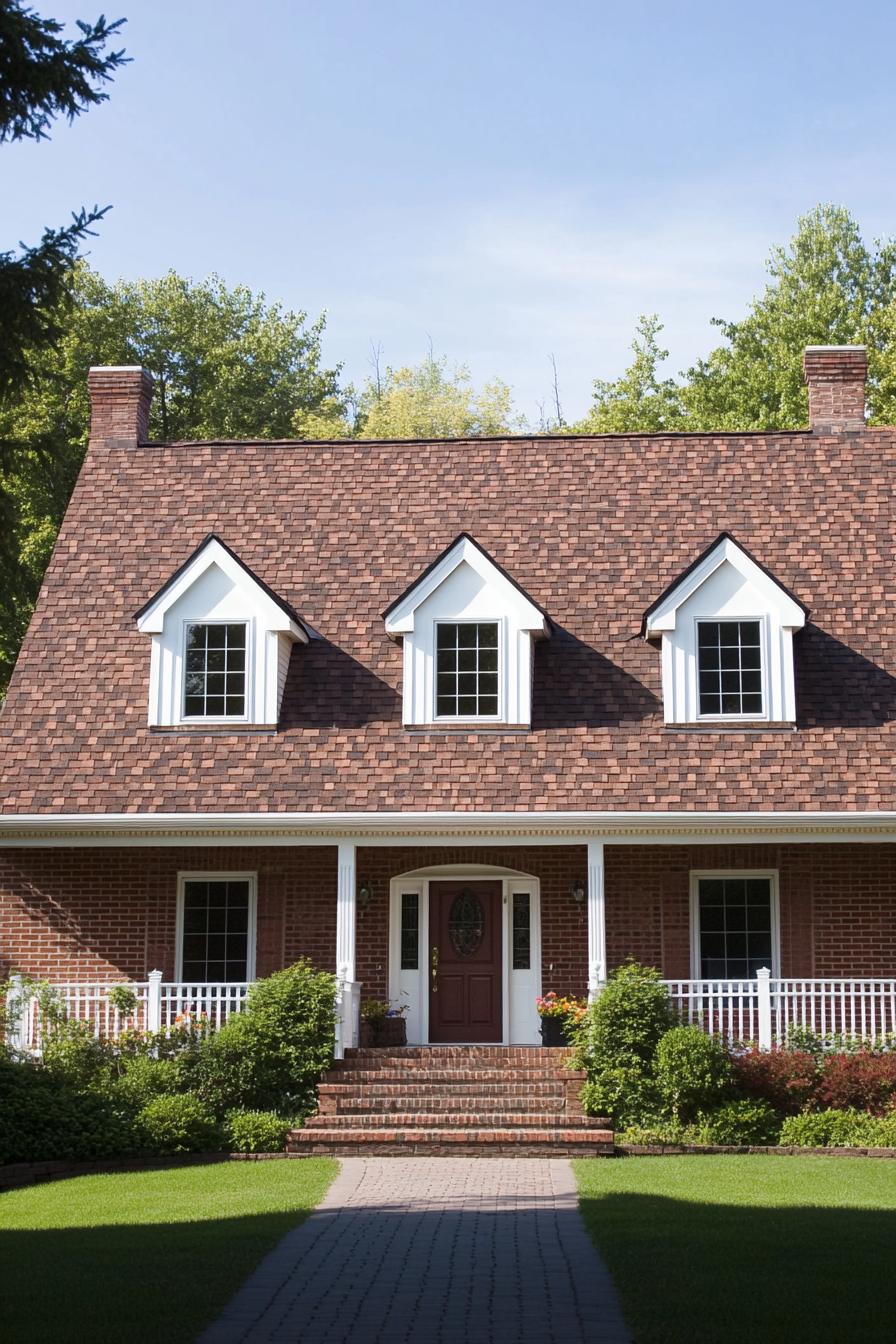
(180, 1124)
(865, 1081)
(692, 1072)
(270, 1056)
(144, 1078)
(256, 1132)
(840, 1129)
(624, 1092)
(625, 1022)
(655, 1131)
(740, 1122)
(785, 1079)
(73, 1055)
(43, 1118)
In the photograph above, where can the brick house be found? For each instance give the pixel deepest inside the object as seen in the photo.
(466, 721)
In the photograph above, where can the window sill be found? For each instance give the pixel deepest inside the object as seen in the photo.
(741, 726)
(467, 728)
(212, 729)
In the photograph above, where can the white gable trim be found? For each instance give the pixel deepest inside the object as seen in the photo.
(151, 619)
(400, 618)
(663, 618)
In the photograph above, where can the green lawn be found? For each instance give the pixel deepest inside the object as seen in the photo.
(706, 1249)
(147, 1255)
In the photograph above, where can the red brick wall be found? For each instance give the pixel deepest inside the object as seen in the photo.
(110, 913)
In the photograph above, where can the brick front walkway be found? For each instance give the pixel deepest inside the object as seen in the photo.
(447, 1250)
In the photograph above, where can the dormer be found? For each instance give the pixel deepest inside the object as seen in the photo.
(726, 627)
(221, 643)
(468, 631)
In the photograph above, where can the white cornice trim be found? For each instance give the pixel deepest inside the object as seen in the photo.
(400, 618)
(726, 551)
(390, 828)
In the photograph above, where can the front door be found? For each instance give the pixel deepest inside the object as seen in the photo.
(465, 961)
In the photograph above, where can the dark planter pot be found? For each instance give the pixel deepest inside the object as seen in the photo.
(366, 1037)
(392, 1031)
(554, 1031)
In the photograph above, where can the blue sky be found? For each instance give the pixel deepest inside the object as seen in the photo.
(505, 180)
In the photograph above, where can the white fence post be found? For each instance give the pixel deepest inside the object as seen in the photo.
(18, 1006)
(764, 995)
(154, 1001)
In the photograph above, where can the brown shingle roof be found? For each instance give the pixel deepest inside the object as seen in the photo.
(594, 529)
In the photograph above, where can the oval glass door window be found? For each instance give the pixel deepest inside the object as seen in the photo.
(466, 923)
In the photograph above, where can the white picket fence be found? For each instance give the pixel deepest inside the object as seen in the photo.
(161, 1005)
(765, 1009)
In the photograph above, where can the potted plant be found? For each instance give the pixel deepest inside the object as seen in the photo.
(559, 1017)
(383, 1023)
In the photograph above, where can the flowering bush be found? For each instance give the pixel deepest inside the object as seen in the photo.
(554, 1005)
(785, 1079)
(865, 1081)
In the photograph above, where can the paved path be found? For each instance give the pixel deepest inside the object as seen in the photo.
(447, 1250)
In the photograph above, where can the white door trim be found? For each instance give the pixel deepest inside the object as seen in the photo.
(413, 986)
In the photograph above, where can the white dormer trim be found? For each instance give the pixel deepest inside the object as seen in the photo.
(726, 584)
(465, 585)
(214, 586)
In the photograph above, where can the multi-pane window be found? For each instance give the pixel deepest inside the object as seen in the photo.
(215, 671)
(522, 931)
(467, 669)
(215, 943)
(729, 666)
(735, 926)
(410, 927)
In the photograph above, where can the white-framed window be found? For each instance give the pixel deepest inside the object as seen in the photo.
(221, 643)
(216, 669)
(735, 923)
(216, 920)
(467, 631)
(468, 681)
(730, 669)
(726, 628)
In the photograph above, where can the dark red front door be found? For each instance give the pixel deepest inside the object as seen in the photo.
(465, 961)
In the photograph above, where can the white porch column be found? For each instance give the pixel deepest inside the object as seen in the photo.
(346, 903)
(597, 927)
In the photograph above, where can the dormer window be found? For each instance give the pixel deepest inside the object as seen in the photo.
(468, 631)
(726, 627)
(729, 669)
(221, 643)
(467, 669)
(215, 671)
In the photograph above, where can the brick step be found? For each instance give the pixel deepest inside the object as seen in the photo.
(417, 1068)
(554, 1142)
(511, 1054)
(349, 1103)
(468, 1093)
(453, 1076)
(499, 1119)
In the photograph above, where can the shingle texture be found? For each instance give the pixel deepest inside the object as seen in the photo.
(593, 529)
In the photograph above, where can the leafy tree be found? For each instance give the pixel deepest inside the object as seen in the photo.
(226, 365)
(826, 288)
(639, 401)
(429, 401)
(43, 76)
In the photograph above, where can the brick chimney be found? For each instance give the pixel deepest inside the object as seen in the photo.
(120, 397)
(836, 377)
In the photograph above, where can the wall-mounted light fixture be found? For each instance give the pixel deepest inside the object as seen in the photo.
(577, 891)
(365, 892)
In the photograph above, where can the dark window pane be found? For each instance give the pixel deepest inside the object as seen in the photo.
(466, 636)
(193, 706)
(236, 660)
(410, 915)
(236, 970)
(214, 706)
(236, 636)
(752, 704)
(757, 890)
(488, 660)
(749, 632)
(522, 938)
(217, 919)
(237, 919)
(712, 918)
(466, 704)
(488, 704)
(236, 705)
(445, 705)
(730, 704)
(707, 635)
(447, 660)
(712, 890)
(729, 632)
(467, 683)
(466, 660)
(215, 660)
(710, 704)
(488, 636)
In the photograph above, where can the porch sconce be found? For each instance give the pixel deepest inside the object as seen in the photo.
(577, 891)
(365, 893)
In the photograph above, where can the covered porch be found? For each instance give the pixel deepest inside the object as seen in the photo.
(756, 923)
